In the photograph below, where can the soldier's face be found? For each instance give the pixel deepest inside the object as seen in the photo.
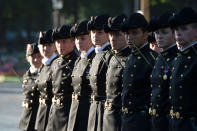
(99, 37)
(35, 60)
(64, 46)
(83, 42)
(117, 40)
(135, 37)
(185, 35)
(164, 37)
(47, 50)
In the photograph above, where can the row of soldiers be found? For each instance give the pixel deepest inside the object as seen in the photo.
(116, 82)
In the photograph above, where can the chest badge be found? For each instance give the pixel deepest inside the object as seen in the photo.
(166, 69)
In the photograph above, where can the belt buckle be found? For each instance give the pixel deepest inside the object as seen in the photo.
(93, 97)
(125, 110)
(150, 111)
(177, 114)
(172, 114)
(77, 97)
(40, 100)
(58, 101)
(44, 101)
(73, 96)
(154, 112)
(25, 104)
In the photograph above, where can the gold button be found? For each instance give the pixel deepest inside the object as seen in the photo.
(129, 103)
(134, 66)
(180, 97)
(168, 59)
(131, 75)
(45, 89)
(170, 87)
(33, 87)
(185, 66)
(32, 94)
(181, 75)
(170, 97)
(170, 77)
(62, 82)
(189, 57)
(159, 86)
(180, 87)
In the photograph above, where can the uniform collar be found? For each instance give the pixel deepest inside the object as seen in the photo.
(165, 51)
(33, 70)
(186, 48)
(120, 52)
(85, 55)
(46, 61)
(136, 52)
(98, 50)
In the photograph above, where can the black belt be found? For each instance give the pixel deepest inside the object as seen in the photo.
(97, 98)
(61, 100)
(111, 105)
(78, 97)
(129, 111)
(179, 115)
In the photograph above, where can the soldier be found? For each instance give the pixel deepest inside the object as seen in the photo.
(31, 101)
(183, 91)
(113, 104)
(136, 76)
(98, 71)
(78, 118)
(161, 73)
(61, 70)
(47, 49)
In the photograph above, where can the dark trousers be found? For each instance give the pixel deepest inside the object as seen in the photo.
(136, 122)
(160, 123)
(187, 124)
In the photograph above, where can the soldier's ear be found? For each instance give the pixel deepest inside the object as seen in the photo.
(145, 35)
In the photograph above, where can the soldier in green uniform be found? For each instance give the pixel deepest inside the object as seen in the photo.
(47, 49)
(120, 50)
(61, 70)
(136, 76)
(183, 89)
(160, 76)
(79, 112)
(98, 71)
(31, 101)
